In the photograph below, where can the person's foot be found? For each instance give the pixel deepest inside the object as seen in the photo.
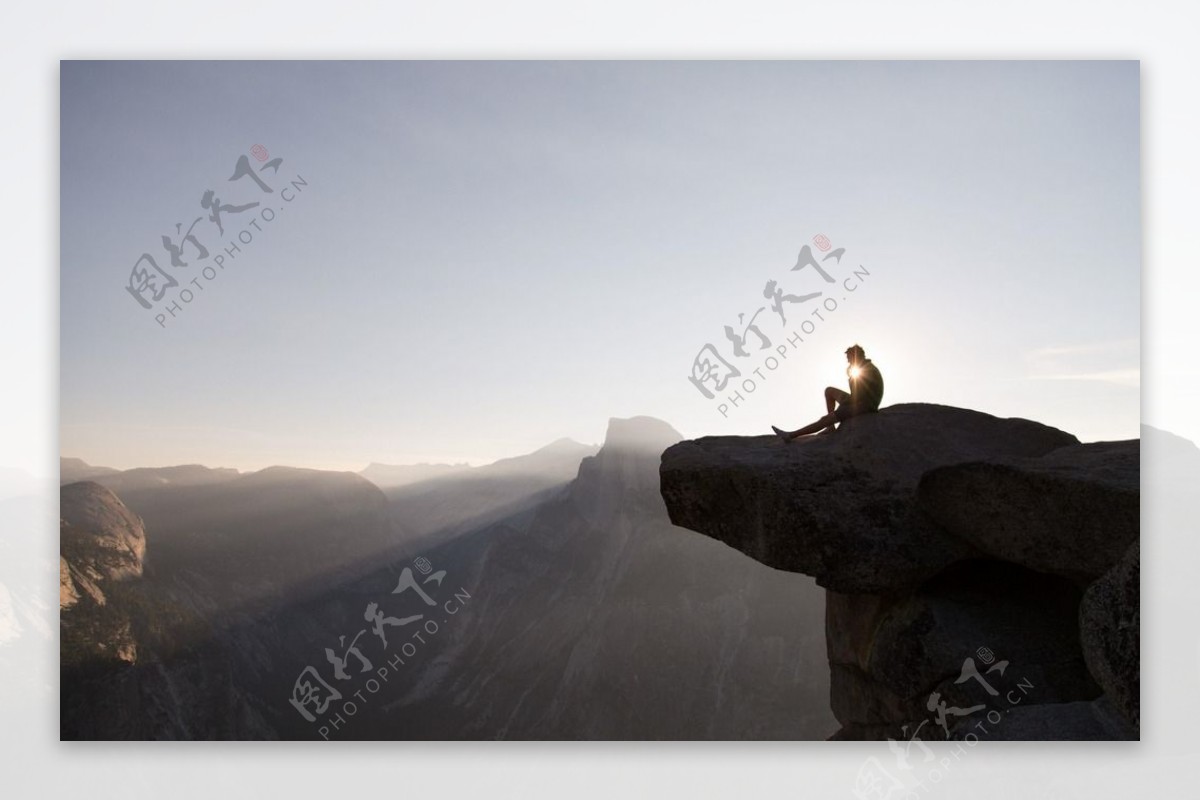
(783, 435)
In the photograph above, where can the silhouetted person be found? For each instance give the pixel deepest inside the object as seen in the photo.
(866, 392)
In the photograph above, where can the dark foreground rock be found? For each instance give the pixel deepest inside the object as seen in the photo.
(841, 508)
(956, 548)
(889, 655)
(1110, 626)
(1072, 512)
(1078, 720)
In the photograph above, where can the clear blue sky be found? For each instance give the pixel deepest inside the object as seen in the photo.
(492, 255)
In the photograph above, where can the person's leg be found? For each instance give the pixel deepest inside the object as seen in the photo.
(833, 396)
(834, 399)
(826, 422)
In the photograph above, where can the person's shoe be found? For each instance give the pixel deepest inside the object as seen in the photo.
(783, 435)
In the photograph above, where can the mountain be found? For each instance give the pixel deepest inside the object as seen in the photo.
(72, 470)
(439, 508)
(101, 543)
(221, 560)
(582, 615)
(145, 478)
(260, 537)
(137, 662)
(598, 619)
(388, 476)
(560, 457)
(102, 538)
(142, 478)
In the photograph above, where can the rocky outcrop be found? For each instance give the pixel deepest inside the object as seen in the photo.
(955, 547)
(68, 595)
(890, 654)
(1110, 626)
(1078, 720)
(1072, 512)
(101, 540)
(101, 543)
(841, 508)
(624, 473)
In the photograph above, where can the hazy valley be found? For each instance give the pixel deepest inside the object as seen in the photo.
(582, 612)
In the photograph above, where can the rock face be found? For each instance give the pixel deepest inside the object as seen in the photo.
(841, 508)
(1110, 624)
(889, 654)
(1072, 512)
(955, 547)
(101, 544)
(68, 595)
(595, 618)
(163, 647)
(101, 539)
(1078, 720)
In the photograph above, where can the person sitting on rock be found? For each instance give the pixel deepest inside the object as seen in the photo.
(866, 392)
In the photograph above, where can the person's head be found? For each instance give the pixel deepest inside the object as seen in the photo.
(855, 354)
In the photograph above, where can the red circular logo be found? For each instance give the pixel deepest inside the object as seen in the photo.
(822, 242)
(259, 152)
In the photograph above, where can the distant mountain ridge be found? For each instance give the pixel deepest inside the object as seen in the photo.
(72, 470)
(477, 496)
(387, 476)
(591, 616)
(598, 619)
(563, 453)
(313, 527)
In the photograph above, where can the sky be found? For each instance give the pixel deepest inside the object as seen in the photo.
(469, 260)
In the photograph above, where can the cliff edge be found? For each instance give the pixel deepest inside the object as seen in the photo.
(975, 567)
